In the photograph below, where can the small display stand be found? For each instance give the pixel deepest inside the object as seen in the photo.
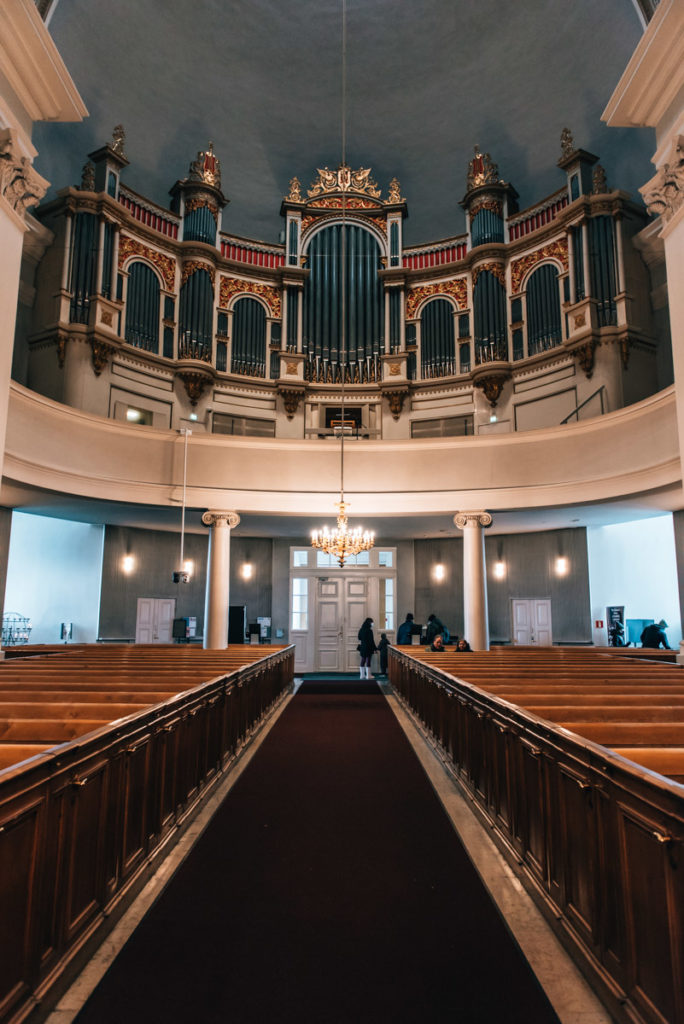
(16, 629)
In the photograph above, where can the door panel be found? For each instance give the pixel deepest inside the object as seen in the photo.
(542, 623)
(166, 610)
(144, 625)
(154, 620)
(328, 613)
(521, 622)
(356, 592)
(532, 622)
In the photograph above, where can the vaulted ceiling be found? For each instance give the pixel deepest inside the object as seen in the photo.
(425, 83)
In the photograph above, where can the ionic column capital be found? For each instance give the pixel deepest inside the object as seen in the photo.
(463, 519)
(214, 518)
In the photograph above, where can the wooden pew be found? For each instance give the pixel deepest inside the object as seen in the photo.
(63, 692)
(626, 704)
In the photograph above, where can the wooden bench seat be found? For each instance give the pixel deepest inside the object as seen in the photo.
(630, 734)
(101, 710)
(668, 761)
(609, 713)
(14, 753)
(46, 730)
(114, 696)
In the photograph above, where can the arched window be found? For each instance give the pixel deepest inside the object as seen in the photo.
(543, 310)
(364, 327)
(142, 308)
(195, 317)
(249, 338)
(437, 339)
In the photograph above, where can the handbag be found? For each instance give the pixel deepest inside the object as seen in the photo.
(358, 647)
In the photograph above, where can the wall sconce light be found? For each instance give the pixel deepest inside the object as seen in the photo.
(247, 570)
(499, 570)
(492, 418)
(439, 572)
(189, 567)
(128, 564)
(562, 566)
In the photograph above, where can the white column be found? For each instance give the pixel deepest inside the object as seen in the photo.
(218, 578)
(476, 621)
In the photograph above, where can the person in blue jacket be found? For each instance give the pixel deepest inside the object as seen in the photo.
(404, 631)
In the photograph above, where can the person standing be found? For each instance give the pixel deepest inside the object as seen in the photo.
(434, 626)
(405, 630)
(366, 648)
(382, 648)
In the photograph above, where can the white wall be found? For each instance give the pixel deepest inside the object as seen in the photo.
(53, 576)
(633, 564)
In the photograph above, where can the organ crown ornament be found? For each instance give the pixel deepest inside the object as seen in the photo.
(567, 143)
(119, 140)
(206, 168)
(482, 170)
(344, 180)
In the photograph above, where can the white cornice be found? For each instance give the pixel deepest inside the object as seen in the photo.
(32, 65)
(655, 74)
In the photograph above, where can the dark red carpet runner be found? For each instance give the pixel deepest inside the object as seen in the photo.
(329, 887)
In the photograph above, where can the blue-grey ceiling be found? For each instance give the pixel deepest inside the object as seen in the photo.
(425, 82)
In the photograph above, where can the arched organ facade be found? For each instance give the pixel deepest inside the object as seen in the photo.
(161, 315)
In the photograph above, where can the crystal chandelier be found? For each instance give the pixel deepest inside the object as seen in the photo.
(343, 542)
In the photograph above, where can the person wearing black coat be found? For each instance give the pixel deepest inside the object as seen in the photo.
(366, 648)
(434, 626)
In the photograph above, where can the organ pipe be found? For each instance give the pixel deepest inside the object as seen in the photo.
(83, 266)
(489, 301)
(195, 316)
(543, 310)
(249, 338)
(364, 321)
(142, 308)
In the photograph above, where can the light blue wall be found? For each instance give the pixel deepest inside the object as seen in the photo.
(634, 564)
(53, 576)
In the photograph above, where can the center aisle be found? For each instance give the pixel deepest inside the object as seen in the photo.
(331, 887)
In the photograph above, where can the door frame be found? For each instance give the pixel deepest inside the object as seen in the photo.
(532, 604)
(306, 567)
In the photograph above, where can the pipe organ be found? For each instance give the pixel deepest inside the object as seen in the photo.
(535, 291)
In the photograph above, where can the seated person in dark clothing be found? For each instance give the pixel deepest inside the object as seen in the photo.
(463, 645)
(654, 635)
(438, 643)
(404, 631)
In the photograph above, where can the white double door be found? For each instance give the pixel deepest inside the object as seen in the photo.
(532, 623)
(341, 605)
(154, 621)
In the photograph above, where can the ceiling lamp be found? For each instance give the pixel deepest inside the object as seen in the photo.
(343, 542)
